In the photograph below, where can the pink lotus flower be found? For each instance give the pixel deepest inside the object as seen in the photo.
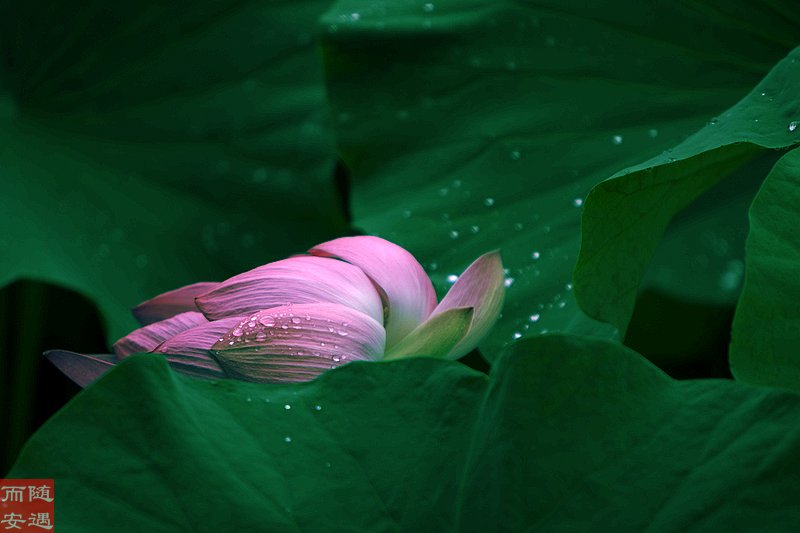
(349, 299)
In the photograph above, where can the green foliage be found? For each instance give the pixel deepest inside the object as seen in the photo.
(146, 148)
(491, 122)
(619, 149)
(567, 434)
(766, 330)
(626, 215)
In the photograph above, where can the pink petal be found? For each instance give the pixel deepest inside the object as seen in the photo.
(171, 303)
(436, 337)
(147, 338)
(298, 342)
(296, 280)
(481, 287)
(407, 290)
(80, 368)
(189, 353)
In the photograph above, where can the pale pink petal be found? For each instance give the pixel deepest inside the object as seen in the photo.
(80, 368)
(148, 337)
(407, 291)
(436, 337)
(189, 353)
(298, 342)
(296, 280)
(481, 287)
(171, 303)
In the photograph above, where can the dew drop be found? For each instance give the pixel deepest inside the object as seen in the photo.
(287, 406)
(617, 139)
(516, 335)
(287, 439)
(318, 408)
(568, 286)
(296, 320)
(261, 336)
(793, 125)
(474, 229)
(653, 133)
(508, 282)
(534, 317)
(342, 333)
(515, 155)
(535, 256)
(249, 399)
(428, 8)
(488, 202)
(336, 358)
(452, 278)
(453, 234)
(577, 202)
(237, 332)
(268, 321)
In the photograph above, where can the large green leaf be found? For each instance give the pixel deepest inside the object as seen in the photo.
(147, 146)
(766, 329)
(475, 125)
(626, 215)
(568, 434)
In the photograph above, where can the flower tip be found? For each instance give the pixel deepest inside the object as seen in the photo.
(80, 368)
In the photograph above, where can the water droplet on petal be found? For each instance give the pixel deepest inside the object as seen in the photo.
(296, 320)
(268, 321)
